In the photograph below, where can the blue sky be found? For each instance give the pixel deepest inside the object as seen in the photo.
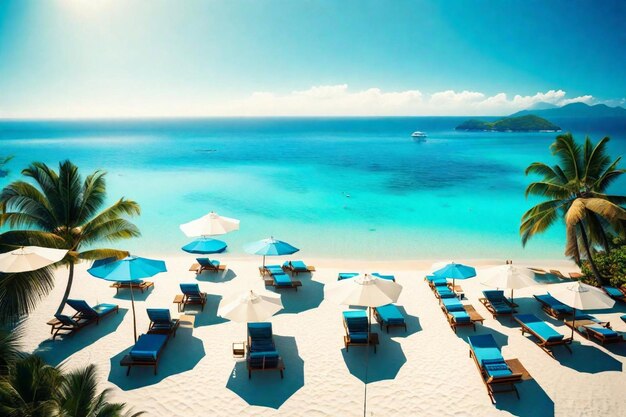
(90, 58)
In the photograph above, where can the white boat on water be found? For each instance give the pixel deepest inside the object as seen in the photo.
(419, 136)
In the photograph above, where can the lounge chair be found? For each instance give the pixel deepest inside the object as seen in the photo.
(547, 337)
(615, 293)
(539, 271)
(139, 284)
(161, 321)
(85, 315)
(389, 315)
(262, 353)
(146, 352)
(297, 267)
(443, 291)
(497, 303)
(554, 307)
(270, 270)
(282, 280)
(459, 315)
(206, 264)
(601, 334)
(346, 275)
(191, 295)
(494, 370)
(356, 325)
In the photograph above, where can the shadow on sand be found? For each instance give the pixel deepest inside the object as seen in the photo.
(208, 316)
(533, 401)
(267, 389)
(124, 294)
(217, 277)
(309, 296)
(368, 366)
(182, 353)
(587, 359)
(412, 326)
(55, 352)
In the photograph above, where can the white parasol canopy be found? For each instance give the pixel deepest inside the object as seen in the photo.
(249, 306)
(29, 258)
(210, 225)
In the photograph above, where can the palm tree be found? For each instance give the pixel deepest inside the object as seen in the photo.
(63, 211)
(20, 293)
(78, 397)
(9, 349)
(576, 191)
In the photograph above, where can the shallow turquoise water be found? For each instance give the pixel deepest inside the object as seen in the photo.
(358, 188)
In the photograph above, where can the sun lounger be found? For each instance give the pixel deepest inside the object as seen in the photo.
(389, 315)
(615, 293)
(297, 267)
(85, 315)
(576, 275)
(191, 295)
(139, 285)
(282, 280)
(539, 271)
(554, 307)
(346, 275)
(602, 334)
(497, 303)
(459, 315)
(547, 337)
(356, 325)
(262, 353)
(558, 274)
(161, 321)
(494, 370)
(146, 352)
(206, 264)
(382, 276)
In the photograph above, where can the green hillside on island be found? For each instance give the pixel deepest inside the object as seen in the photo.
(528, 123)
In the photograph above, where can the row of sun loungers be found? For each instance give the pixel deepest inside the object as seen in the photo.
(457, 314)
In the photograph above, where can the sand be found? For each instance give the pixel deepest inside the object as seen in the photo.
(426, 371)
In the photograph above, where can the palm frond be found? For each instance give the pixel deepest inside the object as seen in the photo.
(16, 238)
(596, 159)
(568, 153)
(547, 172)
(537, 222)
(10, 348)
(110, 231)
(20, 293)
(96, 254)
(20, 196)
(94, 195)
(548, 189)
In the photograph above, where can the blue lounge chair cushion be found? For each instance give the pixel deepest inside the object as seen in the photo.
(554, 304)
(488, 355)
(260, 330)
(346, 275)
(208, 262)
(84, 308)
(501, 308)
(297, 266)
(604, 331)
(613, 292)
(355, 314)
(440, 282)
(274, 269)
(282, 280)
(460, 316)
(390, 314)
(66, 320)
(190, 289)
(103, 309)
(159, 315)
(387, 277)
(148, 346)
(262, 345)
(356, 322)
(541, 328)
(445, 292)
(267, 359)
(358, 337)
(452, 304)
(494, 295)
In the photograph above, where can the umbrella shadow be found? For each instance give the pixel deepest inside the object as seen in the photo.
(533, 401)
(124, 294)
(55, 352)
(267, 389)
(412, 326)
(181, 354)
(216, 277)
(208, 316)
(464, 332)
(368, 366)
(587, 359)
(309, 296)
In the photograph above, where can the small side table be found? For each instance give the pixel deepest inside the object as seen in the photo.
(239, 349)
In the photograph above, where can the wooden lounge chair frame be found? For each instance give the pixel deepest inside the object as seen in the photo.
(618, 298)
(382, 323)
(183, 300)
(129, 362)
(487, 303)
(80, 320)
(292, 270)
(373, 339)
(198, 269)
(475, 317)
(171, 331)
(143, 286)
(550, 311)
(272, 283)
(542, 343)
(280, 366)
(559, 275)
(493, 385)
(590, 333)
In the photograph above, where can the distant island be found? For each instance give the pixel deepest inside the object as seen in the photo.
(529, 123)
(573, 110)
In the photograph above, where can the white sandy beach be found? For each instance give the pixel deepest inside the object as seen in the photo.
(426, 371)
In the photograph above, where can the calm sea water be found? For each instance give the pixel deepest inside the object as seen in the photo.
(347, 187)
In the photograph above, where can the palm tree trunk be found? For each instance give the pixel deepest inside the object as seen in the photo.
(596, 273)
(66, 295)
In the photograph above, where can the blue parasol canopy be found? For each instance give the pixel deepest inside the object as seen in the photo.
(455, 271)
(270, 247)
(131, 268)
(205, 246)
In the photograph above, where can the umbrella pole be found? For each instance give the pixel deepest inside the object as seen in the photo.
(512, 302)
(132, 301)
(264, 261)
(367, 357)
(573, 324)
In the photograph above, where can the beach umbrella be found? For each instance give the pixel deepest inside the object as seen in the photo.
(210, 225)
(270, 247)
(455, 271)
(581, 296)
(29, 258)
(204, 246)
(131, 268)
(509, 277)
(249, 306)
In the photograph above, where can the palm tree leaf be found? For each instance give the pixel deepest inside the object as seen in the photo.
(548, 189)
(94, 195)
(605, 208)
(609, 176)
(20, 293)
(20, 196)
(568, 153)
(78, 392)
(537, 222)
(110, 231)
(596, 159)
(16, 238)
(547, 172)
(10, 348)
(96, 254)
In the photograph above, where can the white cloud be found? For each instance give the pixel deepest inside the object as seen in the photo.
(339, 100)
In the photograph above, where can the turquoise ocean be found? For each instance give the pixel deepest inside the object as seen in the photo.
(335, 187)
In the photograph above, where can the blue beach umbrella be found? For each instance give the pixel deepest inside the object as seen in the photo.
(456, 271)
(270, 247)
(129, 269)
(204, 246)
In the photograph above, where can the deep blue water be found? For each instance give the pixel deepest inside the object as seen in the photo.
(336, 187)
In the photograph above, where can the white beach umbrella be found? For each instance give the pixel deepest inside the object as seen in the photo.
(249, 306)
(581, 296)
(29, 258)
(509, 277)
(365, 290)
(210, 225)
